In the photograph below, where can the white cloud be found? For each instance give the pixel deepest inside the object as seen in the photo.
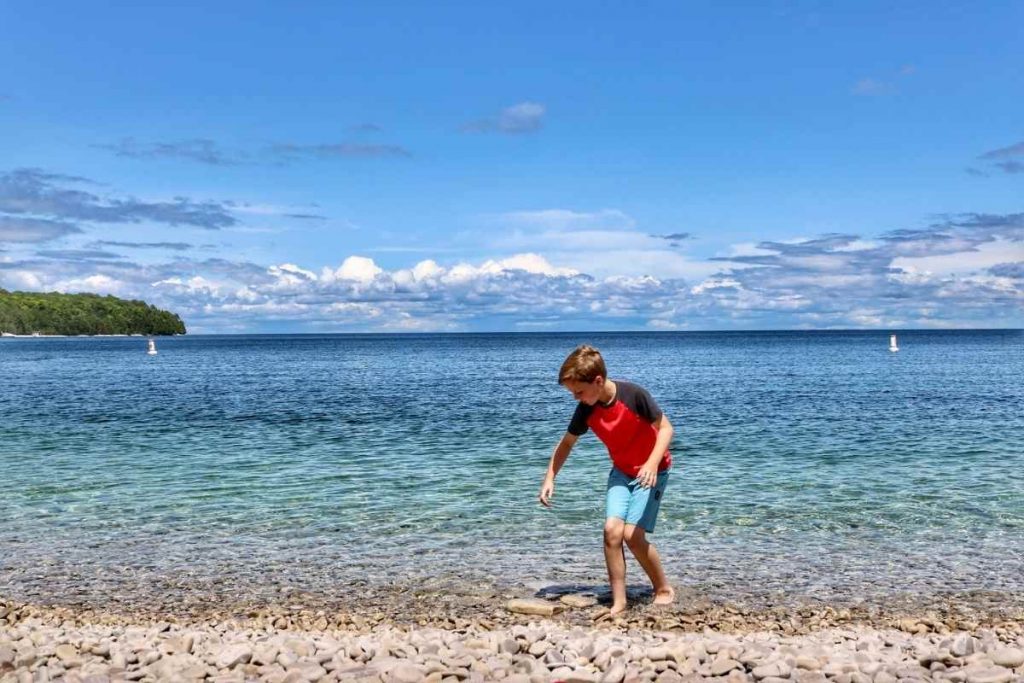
(359, 269)
(566, 219)
(99, 284)
(983, 256)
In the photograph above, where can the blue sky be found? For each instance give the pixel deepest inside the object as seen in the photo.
(532, 166)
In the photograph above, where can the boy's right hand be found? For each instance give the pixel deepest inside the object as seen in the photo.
(547, 492)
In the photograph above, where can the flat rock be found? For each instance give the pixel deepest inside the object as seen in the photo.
(720, 667)
(578, 600)
(536, 606)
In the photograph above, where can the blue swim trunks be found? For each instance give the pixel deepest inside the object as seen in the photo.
(631, 502)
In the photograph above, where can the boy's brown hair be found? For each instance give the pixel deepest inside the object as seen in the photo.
(584, 364)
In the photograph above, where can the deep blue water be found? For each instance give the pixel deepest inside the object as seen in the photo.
(815, 463)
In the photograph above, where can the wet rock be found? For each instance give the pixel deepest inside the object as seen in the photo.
(578, 600)
(534, 606)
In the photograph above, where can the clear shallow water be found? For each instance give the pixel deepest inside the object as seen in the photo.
(813, 463)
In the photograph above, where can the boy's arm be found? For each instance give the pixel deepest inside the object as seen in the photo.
(558, 458)
(648, 475)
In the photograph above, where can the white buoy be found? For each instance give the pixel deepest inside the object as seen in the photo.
(892, 343)
(152, 348)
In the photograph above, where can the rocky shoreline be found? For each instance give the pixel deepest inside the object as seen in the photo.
(470, 638)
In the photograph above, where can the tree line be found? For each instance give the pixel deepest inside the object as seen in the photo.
(54, 313)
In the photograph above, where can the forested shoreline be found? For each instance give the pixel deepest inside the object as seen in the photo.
(72, 314)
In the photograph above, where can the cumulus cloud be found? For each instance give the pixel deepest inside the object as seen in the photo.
(564, 269)
(524, 117)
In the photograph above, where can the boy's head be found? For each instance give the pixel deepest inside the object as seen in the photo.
(583, 373)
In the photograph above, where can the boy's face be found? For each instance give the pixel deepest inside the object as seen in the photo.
(585, 392)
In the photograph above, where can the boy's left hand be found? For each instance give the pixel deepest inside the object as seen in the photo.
(648, 475)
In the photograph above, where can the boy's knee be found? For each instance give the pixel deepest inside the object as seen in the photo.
(613, 531)
(634, 536)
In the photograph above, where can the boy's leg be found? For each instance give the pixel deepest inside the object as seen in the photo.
(615, 558)
(647, 555)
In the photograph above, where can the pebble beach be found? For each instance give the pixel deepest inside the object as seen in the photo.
(486, 635)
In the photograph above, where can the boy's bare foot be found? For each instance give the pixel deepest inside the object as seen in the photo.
(617, 609)
(665, 596)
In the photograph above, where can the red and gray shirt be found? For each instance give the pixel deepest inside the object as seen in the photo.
(625, 425)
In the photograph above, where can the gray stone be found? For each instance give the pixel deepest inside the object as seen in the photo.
(964, 645)
(807, 662)
(68, 655)
(580, 676)
(553, 658)
(1010, 657)
(233, 655)
(264, 655)
(988, 674)
(657, 653)
(805, 676)
(614, 673)
(406, 673)
(772, 670)
(720, 667)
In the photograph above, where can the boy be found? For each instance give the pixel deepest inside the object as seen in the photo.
(637, 434)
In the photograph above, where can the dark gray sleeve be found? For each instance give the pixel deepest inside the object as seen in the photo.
(642, 403)
(578, 423)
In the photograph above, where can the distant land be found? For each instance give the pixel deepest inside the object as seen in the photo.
(72, 314)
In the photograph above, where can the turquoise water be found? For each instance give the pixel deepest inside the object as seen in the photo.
(815, 463)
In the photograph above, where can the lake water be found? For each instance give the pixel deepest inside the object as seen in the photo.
(811, 463)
